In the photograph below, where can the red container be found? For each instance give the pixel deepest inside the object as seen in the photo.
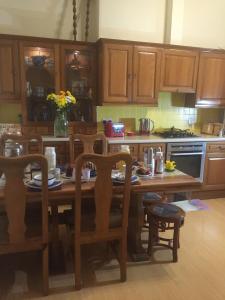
(113, 129)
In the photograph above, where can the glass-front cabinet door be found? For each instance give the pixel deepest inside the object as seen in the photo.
(40, 76)
(78, 76)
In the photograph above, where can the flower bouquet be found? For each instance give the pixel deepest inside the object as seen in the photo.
(62, 102)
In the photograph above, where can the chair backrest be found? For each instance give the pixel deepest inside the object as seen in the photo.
(88, 142)
(15, 200)
(25, 140)
(103, 191)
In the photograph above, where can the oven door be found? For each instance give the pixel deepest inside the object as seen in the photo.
(191, 163)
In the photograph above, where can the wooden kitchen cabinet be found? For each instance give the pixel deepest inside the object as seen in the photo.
(78, 66)
(211, 80)
(179, 69)
(214, 172)
(39, 77)
(116, 73)
(146, 66)
(129, 73)
(155, 146)
(9, 71)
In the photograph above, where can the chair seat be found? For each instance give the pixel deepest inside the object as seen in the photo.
(115, 219)
(151, 198)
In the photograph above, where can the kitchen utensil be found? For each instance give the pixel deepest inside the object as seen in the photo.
(146, 126)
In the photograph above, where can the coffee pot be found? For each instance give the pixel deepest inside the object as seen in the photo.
(146, 126)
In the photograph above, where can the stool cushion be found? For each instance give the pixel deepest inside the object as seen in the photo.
(151, 196)
(166, 210)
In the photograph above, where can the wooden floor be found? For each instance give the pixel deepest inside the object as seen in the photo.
(199, 273)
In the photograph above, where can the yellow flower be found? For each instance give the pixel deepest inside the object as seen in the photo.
(62, 100)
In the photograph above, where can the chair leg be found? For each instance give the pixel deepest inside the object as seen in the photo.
(175, 241)
(45, 271)
(77, 267)
(151, 232)
(123, 260)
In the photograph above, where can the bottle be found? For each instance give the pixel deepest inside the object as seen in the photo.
(151, 161)
(51, 157)
(159, 166)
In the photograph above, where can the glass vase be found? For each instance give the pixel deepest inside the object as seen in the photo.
(61, 124)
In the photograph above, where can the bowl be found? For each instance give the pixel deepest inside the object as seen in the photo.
(39, 60)
(38, 179)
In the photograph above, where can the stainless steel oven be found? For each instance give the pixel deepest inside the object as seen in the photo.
(189, 157)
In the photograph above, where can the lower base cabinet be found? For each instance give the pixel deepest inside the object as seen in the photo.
(214, 173)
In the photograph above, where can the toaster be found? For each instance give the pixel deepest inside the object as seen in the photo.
(113, 129)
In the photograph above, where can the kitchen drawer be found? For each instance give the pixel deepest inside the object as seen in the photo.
(114, 148)
(216, 148)
(155, 146)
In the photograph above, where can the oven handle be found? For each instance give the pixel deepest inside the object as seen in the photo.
(187, 153)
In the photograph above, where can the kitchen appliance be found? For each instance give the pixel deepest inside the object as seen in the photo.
(189, 157)
(113, 129)
(175, 133)
(145, 126)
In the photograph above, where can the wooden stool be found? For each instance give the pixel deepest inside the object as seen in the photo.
(162, 217)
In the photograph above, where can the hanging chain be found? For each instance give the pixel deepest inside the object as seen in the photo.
(87, 20)
(74, 20)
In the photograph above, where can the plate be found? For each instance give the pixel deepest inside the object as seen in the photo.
(134, 179)
(30, 184)
(145, 176)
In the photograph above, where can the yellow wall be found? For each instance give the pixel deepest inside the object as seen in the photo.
(46, 18)
(165, 115)
(9, 113)
(198, 23)
(141, 20)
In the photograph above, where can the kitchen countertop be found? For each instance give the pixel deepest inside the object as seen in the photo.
(146, 139)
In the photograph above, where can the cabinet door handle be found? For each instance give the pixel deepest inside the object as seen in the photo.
(129, 76)
(216, 158)
(221, 148)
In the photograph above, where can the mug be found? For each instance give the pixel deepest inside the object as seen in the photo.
(86, 174)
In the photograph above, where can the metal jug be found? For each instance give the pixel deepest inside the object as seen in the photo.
(146, 126)
(13, 149)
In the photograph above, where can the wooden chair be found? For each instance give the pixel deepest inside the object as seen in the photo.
(26, 141)
(20, 235)
(88, 142)
(103, 193)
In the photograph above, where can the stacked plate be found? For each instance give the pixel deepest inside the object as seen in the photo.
(36, 182)
(119, 178)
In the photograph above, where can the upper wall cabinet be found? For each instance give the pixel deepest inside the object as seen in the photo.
(9, 71)
(128, 73)
(211, 80)
(78, 66)
(40, 76)
(179, 70)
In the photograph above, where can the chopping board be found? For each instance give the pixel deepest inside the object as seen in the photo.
(129, 123)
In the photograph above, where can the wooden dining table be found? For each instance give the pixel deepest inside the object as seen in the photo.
(167, 182)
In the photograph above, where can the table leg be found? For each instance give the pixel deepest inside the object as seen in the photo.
(136, 222)
(56, 249)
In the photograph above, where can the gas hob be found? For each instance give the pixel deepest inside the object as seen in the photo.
(175, 133)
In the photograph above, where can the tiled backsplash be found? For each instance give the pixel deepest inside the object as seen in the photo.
(165, 115)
